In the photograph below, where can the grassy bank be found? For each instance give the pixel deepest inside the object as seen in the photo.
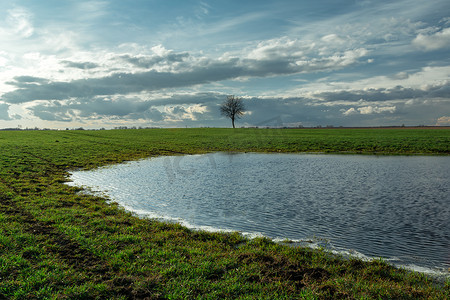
(58, 243)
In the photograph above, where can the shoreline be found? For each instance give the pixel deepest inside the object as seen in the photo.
(440, 273)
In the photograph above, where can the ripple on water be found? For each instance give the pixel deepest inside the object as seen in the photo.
(388, 206)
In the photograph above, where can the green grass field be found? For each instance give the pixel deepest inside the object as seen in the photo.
(58, 243)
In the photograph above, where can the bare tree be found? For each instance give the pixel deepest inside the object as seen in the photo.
(232, 108)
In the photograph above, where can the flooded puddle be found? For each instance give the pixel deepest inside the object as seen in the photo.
(395, 207)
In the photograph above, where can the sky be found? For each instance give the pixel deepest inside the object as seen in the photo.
(171, 63)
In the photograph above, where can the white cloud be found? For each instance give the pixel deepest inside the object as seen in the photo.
(202, 10)
(3, 60)
(367, 110)
(160, 50)
(91, 10)
(19, 20)
(280, 47)
(435, 41)
(349, 112)
(443, 121)
(423, 78)
(306, 56)
(60, 41)
(333, 39)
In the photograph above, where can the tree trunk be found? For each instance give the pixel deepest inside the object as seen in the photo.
(232, 122)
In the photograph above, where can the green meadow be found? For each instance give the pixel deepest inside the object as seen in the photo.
(57, 242)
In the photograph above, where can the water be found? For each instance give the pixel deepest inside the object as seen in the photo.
(394, 207)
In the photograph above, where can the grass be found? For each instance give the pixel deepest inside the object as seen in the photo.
(57, 243)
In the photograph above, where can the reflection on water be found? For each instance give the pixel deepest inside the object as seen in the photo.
(394, 207)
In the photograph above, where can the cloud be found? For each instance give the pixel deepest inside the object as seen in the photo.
(122, 83)
(52, 113)
(333, 39)
(90, 10)
(19, 20)
(443, 121)
(98, 108)
(4, 115)
(277, 64)
(182, 70)
(367, 110)
(349, 112)
(441, 90)
(202, 109)
(290, 56)
(202, 10)
(308, 112)
(27, 81)
(158, 56)
(179, 107)
(149, 61)
(80, 65)
(3, 60)
(434, 41)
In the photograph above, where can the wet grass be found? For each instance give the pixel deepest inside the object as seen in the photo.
(57, 243)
